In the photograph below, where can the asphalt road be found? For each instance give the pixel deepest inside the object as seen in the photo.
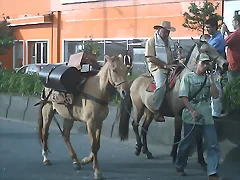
(20, 159)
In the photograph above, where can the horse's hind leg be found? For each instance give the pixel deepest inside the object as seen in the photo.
(145, 126)
(47, 115)
(138, 109)
(94, 131)
(67, 126)
(177, 136)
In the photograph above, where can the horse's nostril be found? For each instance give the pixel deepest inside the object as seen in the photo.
(124, 93)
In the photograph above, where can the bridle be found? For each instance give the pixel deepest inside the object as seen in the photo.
(114, 84)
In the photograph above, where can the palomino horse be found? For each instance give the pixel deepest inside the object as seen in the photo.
(92, 111)
(172, 105)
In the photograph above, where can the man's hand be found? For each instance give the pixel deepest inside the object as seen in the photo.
(224, 29)
(182, 60)
(195, 116)
(171, 66)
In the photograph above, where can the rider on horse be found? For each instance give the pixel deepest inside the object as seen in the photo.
(159, 51)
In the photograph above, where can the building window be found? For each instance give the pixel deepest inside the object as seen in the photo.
(72, 47)
(115, 47)
(18, 54)
(39, 52)
(111, 48)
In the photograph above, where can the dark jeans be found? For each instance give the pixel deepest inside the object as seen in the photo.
(210, 137)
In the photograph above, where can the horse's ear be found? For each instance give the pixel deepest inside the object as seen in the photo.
(107, 58)
(120, 57)
(198, 44)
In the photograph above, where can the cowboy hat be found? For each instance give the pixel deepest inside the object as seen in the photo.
(165, 25)
(204, 57)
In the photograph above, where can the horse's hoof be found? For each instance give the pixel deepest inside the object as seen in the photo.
(77, 166)
(98, 175)
(47, 163)
(137, 153)
(149, 155)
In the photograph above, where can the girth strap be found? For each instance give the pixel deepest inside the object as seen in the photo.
(93, 98)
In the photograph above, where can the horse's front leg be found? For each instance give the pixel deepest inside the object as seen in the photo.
(177, 136)
(138, 111)
(46, 116)
(146, 124)
(67, 127)
(94, 132)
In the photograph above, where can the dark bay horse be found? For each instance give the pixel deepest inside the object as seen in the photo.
(112, 76)
(142, 102)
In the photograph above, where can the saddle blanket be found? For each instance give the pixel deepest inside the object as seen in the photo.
(172, 77)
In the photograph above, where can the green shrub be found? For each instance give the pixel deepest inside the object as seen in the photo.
(231, 97)
(20, 84)
(30, 85)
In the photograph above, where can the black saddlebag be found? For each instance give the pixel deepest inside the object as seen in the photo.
(62, 78)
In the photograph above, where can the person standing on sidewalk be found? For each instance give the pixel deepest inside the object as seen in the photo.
(218, 42)
(233, 49)
(197, 117)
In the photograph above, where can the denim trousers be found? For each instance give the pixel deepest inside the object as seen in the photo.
(211, 140)
(216, 104)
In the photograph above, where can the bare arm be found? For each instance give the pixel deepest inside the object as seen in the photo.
(159, 63)
(187, 104)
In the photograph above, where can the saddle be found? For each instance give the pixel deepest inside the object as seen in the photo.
(171, 80)
(67, 81)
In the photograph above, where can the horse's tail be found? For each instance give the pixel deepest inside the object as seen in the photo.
(125, 114)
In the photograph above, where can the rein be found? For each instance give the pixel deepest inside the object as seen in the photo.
(100, 101)
(146, 131)
(115, 85)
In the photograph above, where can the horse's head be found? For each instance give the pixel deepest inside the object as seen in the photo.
(216, 58)
(117, 74)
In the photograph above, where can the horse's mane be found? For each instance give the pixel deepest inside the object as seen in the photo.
(189, 54)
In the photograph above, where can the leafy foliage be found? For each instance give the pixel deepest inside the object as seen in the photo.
(92, 47)
(231, 97)
(196, 17)
(18, 83)
(6, 37)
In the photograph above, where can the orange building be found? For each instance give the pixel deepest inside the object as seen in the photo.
(49, 31)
